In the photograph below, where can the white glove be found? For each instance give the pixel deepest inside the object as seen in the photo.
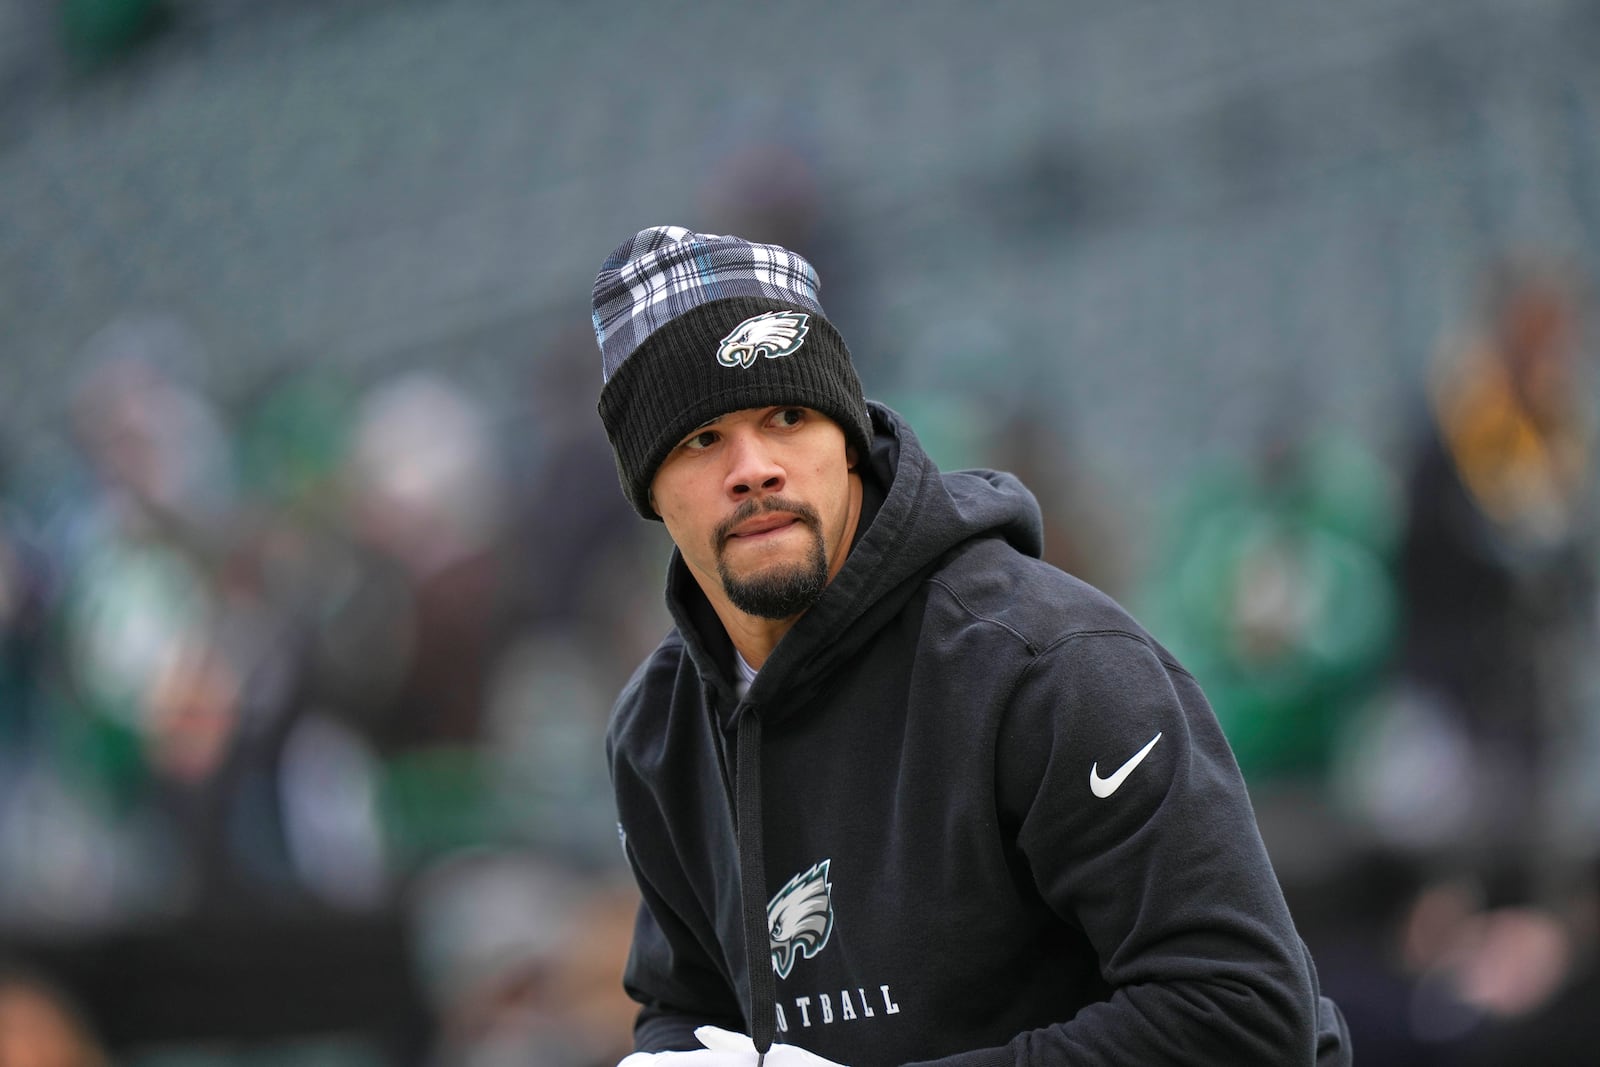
(696, 1058)
(713, 1037)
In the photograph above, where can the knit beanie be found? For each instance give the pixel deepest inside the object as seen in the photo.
(692, 326)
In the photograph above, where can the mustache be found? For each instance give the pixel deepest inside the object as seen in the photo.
(751, 508)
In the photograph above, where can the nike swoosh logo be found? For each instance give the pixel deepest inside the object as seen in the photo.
(1104, 787)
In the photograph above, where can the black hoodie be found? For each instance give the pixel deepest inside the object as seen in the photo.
(982, 817)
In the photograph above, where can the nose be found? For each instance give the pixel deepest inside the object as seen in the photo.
(753, 470)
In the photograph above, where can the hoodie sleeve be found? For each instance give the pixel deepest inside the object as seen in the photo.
(1136, 828)
(673, 972)
(676, 984)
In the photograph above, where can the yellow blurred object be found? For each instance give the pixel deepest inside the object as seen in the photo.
(1525, 470)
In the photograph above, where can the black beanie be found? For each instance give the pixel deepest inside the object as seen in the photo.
(692, 326)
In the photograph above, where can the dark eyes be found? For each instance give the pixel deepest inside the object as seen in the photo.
(703, 439)
(783, 418)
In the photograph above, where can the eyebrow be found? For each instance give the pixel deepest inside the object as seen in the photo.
(697, 429)
(713, 420)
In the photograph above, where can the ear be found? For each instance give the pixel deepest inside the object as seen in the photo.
(851, 457)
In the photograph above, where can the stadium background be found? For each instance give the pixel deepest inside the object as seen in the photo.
(316, 578)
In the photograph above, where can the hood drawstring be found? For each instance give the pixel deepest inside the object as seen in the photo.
(753, 885)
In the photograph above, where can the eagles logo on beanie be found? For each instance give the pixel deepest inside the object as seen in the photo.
(692, 326)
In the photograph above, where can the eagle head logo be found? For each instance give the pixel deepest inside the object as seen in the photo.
(800, 918)
(777, 333)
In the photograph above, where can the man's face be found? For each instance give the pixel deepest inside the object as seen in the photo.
(762, 505)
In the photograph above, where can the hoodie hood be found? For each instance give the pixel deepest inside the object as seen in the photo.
(912, 515)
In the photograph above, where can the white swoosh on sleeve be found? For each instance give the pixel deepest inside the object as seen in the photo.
(1104, 787)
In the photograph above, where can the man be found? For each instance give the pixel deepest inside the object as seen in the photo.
(895, 791)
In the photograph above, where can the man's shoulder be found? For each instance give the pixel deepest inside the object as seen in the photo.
(989, 579)
(653, 680)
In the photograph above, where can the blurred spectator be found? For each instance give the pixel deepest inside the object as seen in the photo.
(407, 642)
(422, 488)
(1497, 572)
(1471, 774)
(1271, 583)
(180, 652)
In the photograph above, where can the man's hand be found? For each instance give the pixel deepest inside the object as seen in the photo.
(726, 1041)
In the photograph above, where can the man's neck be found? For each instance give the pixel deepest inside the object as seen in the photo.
(753, 637)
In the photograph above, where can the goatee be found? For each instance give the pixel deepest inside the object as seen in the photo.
(783, 591)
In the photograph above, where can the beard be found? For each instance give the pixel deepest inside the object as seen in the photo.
(786, 589)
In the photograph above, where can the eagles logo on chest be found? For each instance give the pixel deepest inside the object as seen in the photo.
(800, 918)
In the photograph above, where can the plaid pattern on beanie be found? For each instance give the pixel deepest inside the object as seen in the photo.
(692, 326)
(667, 270)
